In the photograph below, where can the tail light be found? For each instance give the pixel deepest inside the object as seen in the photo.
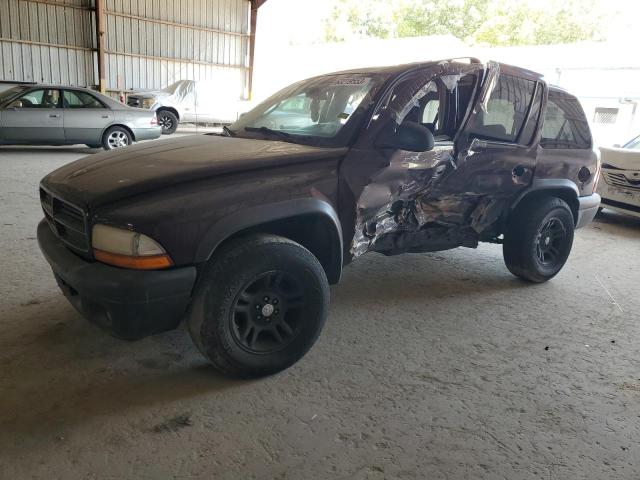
(154, 120)
(122, 98)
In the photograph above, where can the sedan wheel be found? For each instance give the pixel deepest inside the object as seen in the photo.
(116, 137)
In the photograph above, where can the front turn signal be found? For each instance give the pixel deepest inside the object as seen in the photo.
(148, 262)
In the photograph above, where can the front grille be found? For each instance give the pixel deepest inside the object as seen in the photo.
(133, 101)
(621, 181)
(68, 222)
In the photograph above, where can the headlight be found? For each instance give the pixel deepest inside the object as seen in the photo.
(148, 102)
(127, 249)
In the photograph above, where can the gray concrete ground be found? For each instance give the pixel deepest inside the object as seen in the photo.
(436, 366)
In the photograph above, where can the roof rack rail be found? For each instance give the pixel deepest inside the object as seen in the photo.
(471, 59)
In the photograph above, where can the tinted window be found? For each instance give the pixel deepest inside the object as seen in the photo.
(506, 110)
(565, 124)
(44, 98)
(78, 99)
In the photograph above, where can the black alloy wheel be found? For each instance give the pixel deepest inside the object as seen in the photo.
(550, 242)
(267, 314)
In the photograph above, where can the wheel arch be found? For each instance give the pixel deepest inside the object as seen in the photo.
(311, 222)
(170, 109)
(562, 188)
(128, 129)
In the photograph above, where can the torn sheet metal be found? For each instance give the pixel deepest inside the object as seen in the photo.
(409, 206)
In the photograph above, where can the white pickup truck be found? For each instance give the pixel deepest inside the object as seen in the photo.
(619, 184)
(189, 101)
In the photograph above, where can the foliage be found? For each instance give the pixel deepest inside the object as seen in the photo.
(485, 22)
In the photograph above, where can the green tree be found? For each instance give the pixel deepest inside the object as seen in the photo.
(487, 22)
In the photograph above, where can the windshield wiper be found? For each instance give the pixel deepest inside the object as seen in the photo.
(269, 131)
(228, 131)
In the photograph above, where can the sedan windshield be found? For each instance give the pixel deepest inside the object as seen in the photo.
(7, 94)
(312, 110)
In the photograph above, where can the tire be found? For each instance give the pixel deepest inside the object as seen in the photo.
(538, 241)
(168, 121)
(116, 137)
(259, 306)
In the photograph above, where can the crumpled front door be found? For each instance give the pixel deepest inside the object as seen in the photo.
(425, 201)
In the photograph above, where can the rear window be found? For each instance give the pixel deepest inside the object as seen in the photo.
(565, 124)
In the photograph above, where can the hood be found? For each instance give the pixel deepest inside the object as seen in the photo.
(620, 158)
(106, 177)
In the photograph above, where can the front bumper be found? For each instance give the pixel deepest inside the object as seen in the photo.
(587, 209)
(130, 304)
(626, 200)
(147, 133)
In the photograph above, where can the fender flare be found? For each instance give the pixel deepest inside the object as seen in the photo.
(540, 185)
(258, 215)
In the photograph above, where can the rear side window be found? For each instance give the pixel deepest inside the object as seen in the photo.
(78, 99)
(565, 124)
(506, 110)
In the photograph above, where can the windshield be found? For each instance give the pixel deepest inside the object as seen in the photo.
(312, 111)
(7, 94)
(634, 144)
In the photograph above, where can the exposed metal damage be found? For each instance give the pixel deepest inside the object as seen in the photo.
(409, 206)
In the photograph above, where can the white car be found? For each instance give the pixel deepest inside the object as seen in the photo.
(619, 184)
(189, 101)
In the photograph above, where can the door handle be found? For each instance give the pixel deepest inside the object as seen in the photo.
(105, 116)
(54, 115)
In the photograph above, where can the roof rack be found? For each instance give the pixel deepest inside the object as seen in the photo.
(471, 59)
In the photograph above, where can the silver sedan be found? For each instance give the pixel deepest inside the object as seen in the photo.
(58, 115)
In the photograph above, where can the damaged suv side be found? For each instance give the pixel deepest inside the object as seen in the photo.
(241, 233)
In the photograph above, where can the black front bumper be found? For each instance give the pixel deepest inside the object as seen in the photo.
(131, 304)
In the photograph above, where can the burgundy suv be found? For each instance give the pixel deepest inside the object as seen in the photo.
(241, 233)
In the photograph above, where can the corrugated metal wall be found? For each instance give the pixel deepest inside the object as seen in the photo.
(149, 43)
(48, 43)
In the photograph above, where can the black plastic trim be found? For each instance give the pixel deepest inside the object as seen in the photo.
(256, 216)
(129, 303)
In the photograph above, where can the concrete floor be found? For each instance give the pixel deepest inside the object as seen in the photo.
(431, 366)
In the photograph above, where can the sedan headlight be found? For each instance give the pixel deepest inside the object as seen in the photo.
(127, 249)
(148, 102)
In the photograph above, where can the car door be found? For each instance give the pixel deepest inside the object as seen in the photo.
(85, 117)
(497, 147)
(34, 117)
(392, 201)
(449, 196)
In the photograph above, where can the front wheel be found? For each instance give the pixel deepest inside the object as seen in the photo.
(539, 239)
(259, 306)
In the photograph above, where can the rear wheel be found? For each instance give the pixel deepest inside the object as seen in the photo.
(259, 306)
(539, 239)
(116, 137)
(168, 121)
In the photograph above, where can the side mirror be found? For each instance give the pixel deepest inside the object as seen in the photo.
(409, 136)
